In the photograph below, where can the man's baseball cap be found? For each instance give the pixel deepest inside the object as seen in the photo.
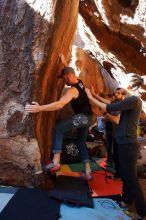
(66, 70)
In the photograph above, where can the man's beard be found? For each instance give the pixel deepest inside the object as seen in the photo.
(117, 99)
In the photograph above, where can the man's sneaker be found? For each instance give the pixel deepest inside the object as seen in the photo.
(86, 176)
(51, 167)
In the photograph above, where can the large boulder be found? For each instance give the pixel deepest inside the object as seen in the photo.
(32, 35)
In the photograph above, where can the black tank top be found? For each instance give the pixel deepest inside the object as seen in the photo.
(81, 104)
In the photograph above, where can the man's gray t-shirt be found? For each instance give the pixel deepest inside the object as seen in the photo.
(130, 109)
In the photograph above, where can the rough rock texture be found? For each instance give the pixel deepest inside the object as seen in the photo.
(109, 42)
(32, 34)
(114, 32)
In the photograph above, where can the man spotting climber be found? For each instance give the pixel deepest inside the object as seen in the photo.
(81, 120)
(127, 143)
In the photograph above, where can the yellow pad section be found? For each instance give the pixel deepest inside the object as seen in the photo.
(65, 168)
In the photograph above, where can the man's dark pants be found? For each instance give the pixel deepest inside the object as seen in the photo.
(127, 156)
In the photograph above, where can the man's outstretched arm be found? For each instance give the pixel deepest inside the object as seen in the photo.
(95, 101)
(101, 99)
(65, 99)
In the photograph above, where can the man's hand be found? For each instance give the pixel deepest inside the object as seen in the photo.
(94, 93)
(89, 94)
(92, 90)
(95, 101)
(62, 59)
(90, 129)
(34, 108)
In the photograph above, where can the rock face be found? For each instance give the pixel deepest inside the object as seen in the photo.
(32, 34)
(109, 42)
(114, 33)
